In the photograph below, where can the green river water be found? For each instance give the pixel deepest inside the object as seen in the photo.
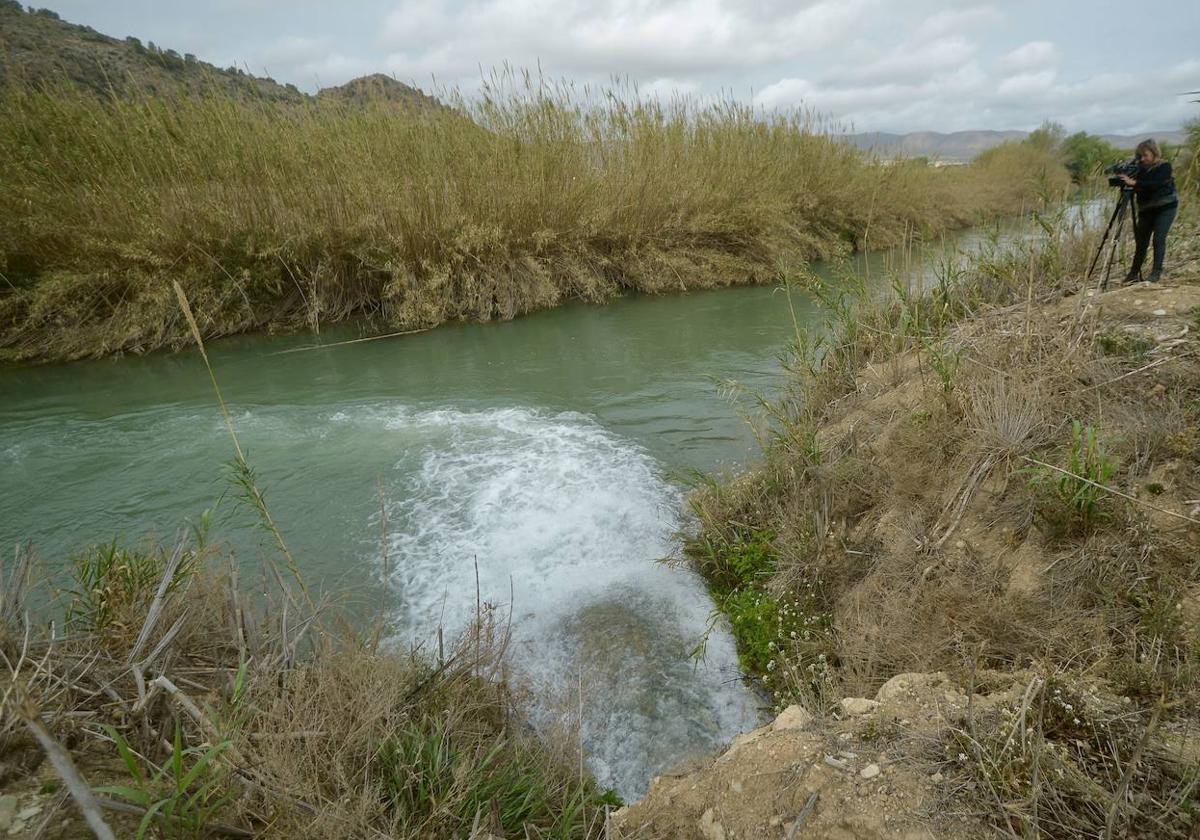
(553, 450)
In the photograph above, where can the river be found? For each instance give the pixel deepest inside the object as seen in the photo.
(552, 450)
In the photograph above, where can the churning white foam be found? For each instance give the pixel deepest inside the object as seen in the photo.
(574, 520)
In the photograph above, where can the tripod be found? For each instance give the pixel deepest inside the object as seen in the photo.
(1112, 235)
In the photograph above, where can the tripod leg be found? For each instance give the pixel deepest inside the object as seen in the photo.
(1113, 243)
(1103, 239)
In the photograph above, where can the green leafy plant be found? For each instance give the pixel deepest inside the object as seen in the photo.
(113, 585)
(180, 797)
(944, 361)
(436, 779)
(1074, 493)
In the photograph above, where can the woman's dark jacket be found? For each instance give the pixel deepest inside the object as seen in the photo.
(1155, 187)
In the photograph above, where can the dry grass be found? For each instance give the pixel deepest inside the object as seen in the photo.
(284, 215)
(303, 726)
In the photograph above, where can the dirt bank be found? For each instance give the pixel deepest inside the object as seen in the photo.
(999, 485)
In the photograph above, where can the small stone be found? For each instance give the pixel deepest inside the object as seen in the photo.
(28, 813)
(710, 829)
(858, 705)
(937, 778)
(960, 544)
(1137, 302)
(776, 821)
(836, 763)
(736, 786)
(1160, 312)
(870, 771)
(793, 717)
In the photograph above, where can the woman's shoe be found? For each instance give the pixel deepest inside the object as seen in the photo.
(1132, 277)
(1155, 276)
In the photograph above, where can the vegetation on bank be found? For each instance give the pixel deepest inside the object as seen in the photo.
(189, 708)
(995, 475)
(284, 215)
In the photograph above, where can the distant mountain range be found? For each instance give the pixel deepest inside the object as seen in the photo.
(965, 145)
(38, 47)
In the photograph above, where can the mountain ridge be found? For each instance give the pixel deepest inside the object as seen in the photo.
(39, 47)
(956, 146)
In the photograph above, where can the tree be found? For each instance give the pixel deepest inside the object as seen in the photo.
(1086, 154)
(1047, 136)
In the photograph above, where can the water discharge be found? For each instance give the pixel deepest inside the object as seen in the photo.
(548, 450)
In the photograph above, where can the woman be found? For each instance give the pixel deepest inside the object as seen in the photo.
(1154, 189)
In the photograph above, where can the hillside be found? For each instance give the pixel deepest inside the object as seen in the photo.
(965, 145)
(38, 47)
(379, 88)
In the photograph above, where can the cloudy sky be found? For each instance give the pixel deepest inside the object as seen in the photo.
(873, 64)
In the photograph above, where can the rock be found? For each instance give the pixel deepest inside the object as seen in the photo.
(8, 810)
(858, 705)
(741, 741)
(793, 717)
(836, 763)
(736, 786)
(903, 684)
(1160, 312)
(709, 827)
(28, 813)
(937, 778)
(870, 771)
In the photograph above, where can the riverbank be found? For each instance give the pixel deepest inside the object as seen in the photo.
(993, 489)
(170, 699)
(278, 216)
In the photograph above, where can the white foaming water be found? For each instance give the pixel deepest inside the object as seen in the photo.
(574, 519)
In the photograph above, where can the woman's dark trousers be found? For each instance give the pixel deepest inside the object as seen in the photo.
(1153, 223)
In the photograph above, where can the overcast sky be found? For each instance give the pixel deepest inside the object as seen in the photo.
(876, 65)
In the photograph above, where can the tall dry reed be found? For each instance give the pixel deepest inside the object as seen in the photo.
(283, 215)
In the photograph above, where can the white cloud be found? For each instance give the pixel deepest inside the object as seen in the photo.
(1026, 85)
(913, 62)
(666, 88)
(639, 38)
(952, 21)
(1035, 55)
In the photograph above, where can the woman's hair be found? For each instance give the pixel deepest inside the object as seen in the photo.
(1150, 145)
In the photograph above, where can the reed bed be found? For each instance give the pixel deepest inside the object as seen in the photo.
(285, 215)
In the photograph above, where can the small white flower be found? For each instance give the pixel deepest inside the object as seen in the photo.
(771, 665)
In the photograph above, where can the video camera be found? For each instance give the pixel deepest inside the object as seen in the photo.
(1116, 170)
